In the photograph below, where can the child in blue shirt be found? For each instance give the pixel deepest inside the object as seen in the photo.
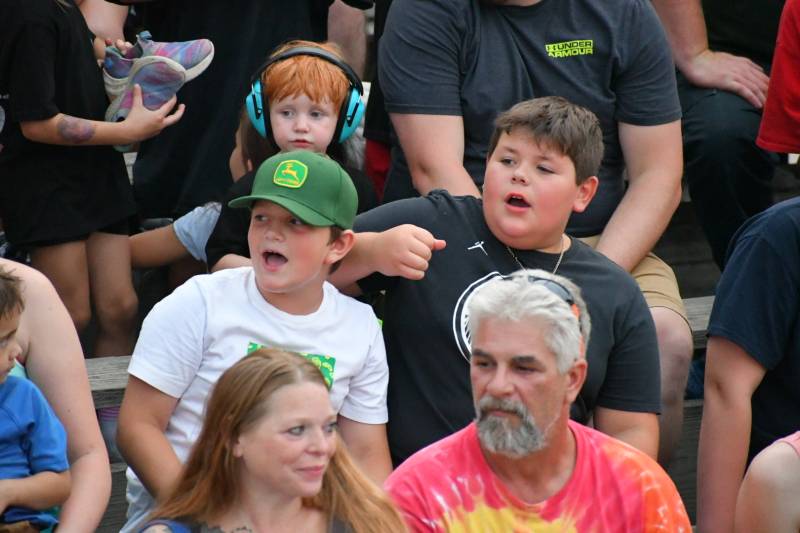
(34, 472)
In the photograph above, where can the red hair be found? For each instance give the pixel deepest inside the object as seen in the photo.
(314, 77)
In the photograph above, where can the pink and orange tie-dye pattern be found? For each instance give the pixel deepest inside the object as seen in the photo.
(613, 488)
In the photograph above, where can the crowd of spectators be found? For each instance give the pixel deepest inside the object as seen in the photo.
(459, 326)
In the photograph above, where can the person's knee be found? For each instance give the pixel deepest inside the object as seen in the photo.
(675, 348)
(79, 309)
(118, 311)
(80, 313)
(723, 128)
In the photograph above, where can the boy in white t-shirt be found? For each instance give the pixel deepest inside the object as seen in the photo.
(303, 205)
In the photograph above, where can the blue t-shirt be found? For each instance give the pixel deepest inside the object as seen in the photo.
(194, 228)
(32, 440)
(757, 307)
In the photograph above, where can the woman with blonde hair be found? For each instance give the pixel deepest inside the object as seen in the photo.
(269, 459)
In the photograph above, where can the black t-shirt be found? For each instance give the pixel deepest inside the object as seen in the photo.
(187, 164)
(47, 66)
(757, 307)
(230, 232)
(425, 323)
(744, 27)
(475, 59)
(377, 125)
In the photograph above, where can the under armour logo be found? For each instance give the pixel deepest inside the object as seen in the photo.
(478, 244)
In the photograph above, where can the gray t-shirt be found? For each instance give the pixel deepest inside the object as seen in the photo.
(469, 58)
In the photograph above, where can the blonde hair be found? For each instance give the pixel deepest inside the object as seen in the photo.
(208, 484)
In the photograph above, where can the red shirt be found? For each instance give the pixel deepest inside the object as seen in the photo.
(448, 486)
(780, 124)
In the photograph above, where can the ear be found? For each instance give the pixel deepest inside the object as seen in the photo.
(339, 248)
(586, 192)
(248, 164)
(236, 447)
(575, 377)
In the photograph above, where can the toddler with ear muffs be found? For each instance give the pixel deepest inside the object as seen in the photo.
(304, 97)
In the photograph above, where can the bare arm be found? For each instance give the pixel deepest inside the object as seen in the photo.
(39, 491)
(53, 358)
(640, 430)
(654, 162)
(105, 19)
(368, 445)
(156, 248)
(140, 124)
(731, 377)
(143, 419)
(434, 148)
(231, 261)
(686, 30)
(768, 497)
(401, 251)
(347, 28)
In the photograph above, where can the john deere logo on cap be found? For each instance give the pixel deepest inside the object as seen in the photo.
(290, 173)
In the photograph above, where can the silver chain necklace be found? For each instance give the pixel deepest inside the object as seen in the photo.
(523, 267)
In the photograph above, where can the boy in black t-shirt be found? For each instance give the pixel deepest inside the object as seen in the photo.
(541, 167)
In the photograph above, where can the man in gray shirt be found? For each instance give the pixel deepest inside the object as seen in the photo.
(447, 69)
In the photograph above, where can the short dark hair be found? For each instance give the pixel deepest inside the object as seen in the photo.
(555, 121)
(11, 301)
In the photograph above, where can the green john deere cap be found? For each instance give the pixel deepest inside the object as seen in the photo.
(312, 186)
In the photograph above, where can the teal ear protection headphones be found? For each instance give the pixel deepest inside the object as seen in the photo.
(349, 114)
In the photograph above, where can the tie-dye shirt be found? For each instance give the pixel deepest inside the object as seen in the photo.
(448, 486)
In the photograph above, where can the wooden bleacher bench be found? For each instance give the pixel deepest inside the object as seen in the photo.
(698, 311)
(108, 377)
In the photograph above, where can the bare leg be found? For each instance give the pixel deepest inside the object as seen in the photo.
(113, 295)
(675, 349)
(66, 267)
(183, 269)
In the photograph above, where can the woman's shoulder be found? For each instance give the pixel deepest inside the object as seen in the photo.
(172, 526)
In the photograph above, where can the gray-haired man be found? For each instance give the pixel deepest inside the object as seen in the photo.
(523, 464)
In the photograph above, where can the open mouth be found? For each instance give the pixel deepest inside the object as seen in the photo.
(274, 259)
(517, 201)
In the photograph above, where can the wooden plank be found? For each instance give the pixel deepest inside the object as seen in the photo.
(683, 468)
(114, 517)
(108, 377)
(698, 311)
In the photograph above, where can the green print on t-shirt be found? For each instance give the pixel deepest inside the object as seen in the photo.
(325, 363)
(578, 47)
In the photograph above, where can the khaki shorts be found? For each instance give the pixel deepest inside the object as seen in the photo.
(656, 280)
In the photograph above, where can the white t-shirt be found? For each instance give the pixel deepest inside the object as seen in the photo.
(210, 322)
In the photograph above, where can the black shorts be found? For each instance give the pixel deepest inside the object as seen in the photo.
(121, 227)
(66, 196)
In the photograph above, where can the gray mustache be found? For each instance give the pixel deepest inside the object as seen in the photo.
(488, 403)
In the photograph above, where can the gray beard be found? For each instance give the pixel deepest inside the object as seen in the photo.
(501, 435)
